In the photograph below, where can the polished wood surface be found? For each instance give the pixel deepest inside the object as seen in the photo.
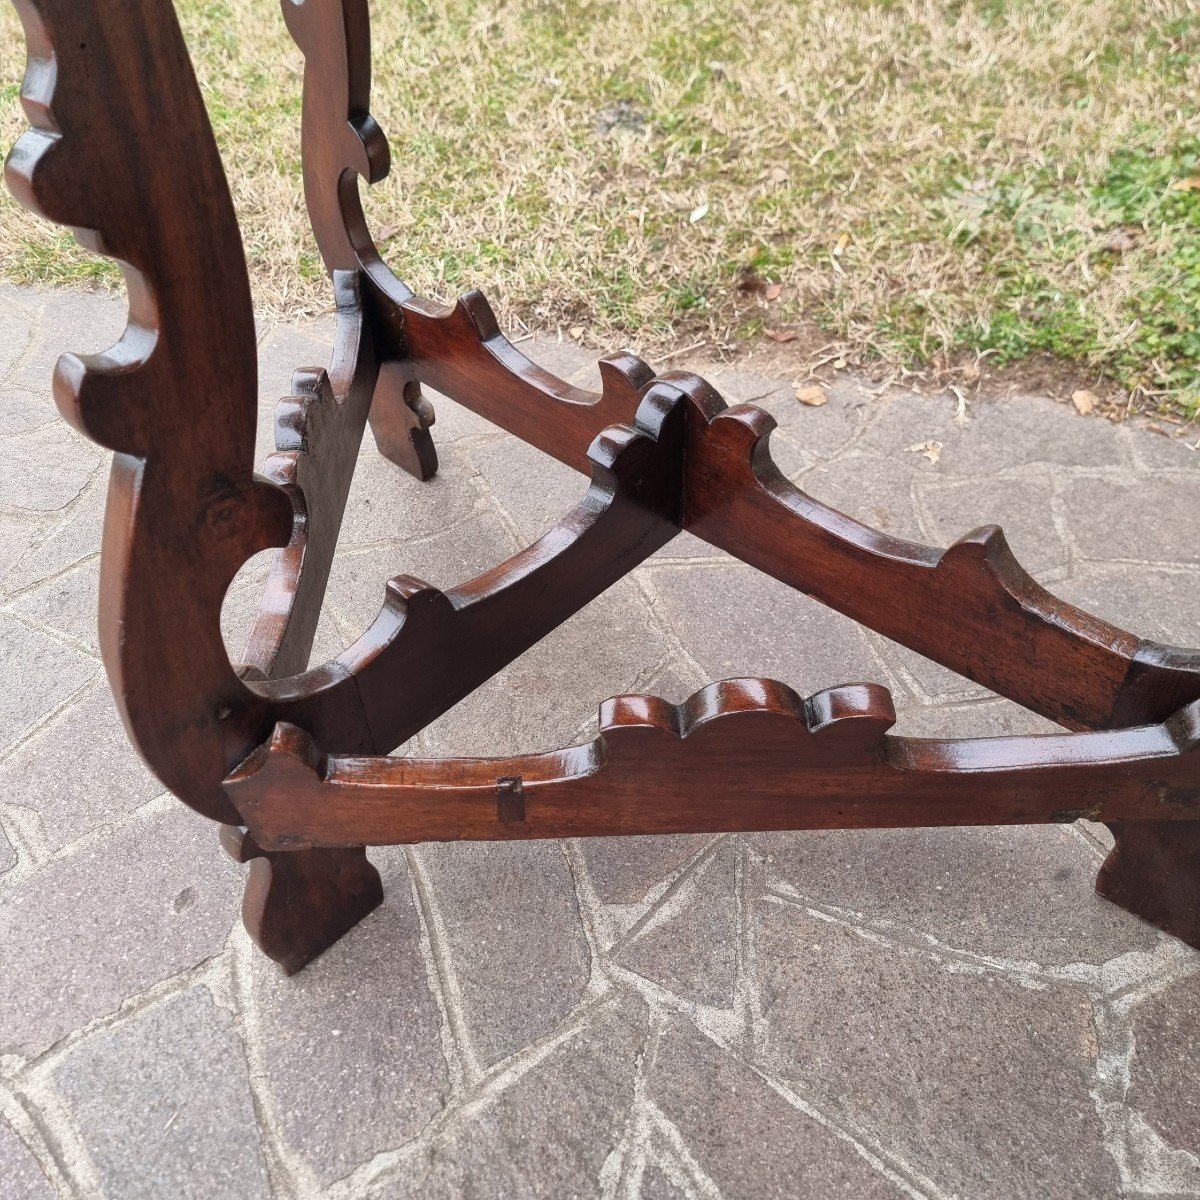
(318, 431)
(120, 149)
(448, 643)
(343, 143)
(739, 755)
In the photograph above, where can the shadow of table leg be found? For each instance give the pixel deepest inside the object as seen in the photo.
(1154, 873)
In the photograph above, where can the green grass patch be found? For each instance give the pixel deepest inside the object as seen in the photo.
(928, 182)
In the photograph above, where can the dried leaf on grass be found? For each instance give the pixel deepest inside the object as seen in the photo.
(750, 283)
(813, 396)
(1119, 241)
(1084, 401)
(781, 335)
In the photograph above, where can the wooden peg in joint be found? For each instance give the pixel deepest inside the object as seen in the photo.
(510, 800)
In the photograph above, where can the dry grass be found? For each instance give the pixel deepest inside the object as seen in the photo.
(930, 181)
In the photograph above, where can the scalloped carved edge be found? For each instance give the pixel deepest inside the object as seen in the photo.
(995, 624)
(318, 431)
(342, 143)
(452, 641)
(1012, 635)
(461, 352)
(974, 608)
(184, 509)
(739, 755)
(970, 607)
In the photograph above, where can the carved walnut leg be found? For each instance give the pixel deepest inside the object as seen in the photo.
(340, 141)
(297, 903)
(1154, 873)
(400, 420)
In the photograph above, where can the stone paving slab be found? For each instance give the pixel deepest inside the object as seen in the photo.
(915, 1013)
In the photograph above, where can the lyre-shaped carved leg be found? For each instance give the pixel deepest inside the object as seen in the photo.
(340, 141)
(1154, 872)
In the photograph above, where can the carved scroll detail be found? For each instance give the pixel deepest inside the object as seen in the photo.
(428, 649)
(184, 511)
(175, 399)
(461, 352)
(318, 431)
(341, 144)
(972, 607)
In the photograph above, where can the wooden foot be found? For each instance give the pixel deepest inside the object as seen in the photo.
(1154, 872)
(400, 420)
(299, 902)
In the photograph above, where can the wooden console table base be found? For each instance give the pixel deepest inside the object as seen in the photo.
(293, 762)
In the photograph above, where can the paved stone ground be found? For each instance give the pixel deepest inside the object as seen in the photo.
(920, 1014)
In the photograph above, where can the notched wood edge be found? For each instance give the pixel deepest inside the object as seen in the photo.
(317, 428)
(636, 477)
(174, 397)
(738, 754)
(978, 574)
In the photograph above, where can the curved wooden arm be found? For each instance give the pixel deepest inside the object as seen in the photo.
(428, 649)
(461, 352)
(175, 400)
(318, 431)
(176, 396)
(972, 607)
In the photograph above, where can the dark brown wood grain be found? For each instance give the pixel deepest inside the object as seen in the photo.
(971, 608)
(739, 755)
(445, 644)
(1154, 872)
(461, 353)
(120, 149)
(318, 431)
(341, 144)
(112, 100)
(296, 905)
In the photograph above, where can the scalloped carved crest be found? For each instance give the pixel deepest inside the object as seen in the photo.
(120, 150)
(743, 754)
(110, 94)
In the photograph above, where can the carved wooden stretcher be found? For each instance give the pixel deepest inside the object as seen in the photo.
(293, 762)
